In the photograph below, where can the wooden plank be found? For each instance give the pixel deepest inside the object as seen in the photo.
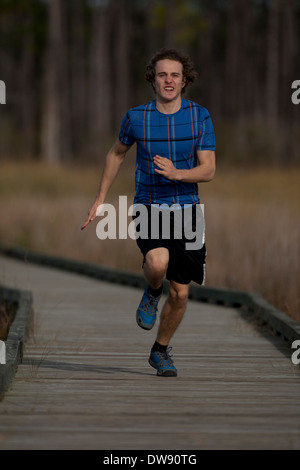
(278, 322)
(85, 382)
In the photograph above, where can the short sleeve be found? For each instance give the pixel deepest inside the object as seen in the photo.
(125, 135)
(206, 139)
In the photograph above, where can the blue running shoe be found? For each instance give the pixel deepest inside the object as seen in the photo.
(162, 362)
(146, 312)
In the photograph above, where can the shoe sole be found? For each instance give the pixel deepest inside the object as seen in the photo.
(166, 373)
(143, 325)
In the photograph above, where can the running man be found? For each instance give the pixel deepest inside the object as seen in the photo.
(175, 151)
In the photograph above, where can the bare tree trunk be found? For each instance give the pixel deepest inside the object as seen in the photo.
(232, 59)
(78, 88)
(28, 97)
(152, 38)
(245, 97)
(207, 79)
(171, 27)
(289, 53)
(272, 98)
(258, 73)
(55, 146)
(100, 119)
(122, 65)
(239, 68)
(152, 44)
(9, 145)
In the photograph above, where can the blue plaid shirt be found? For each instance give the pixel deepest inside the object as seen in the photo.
(175, 136)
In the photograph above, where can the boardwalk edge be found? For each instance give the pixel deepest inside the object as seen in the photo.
(18, 333)
(266, 314)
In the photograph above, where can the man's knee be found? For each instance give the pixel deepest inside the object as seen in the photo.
(157, 260)
(179, 292)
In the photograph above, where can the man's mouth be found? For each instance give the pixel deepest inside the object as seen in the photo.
(169, 88)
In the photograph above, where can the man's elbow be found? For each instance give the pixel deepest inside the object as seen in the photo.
(211, 171)
(207, 158)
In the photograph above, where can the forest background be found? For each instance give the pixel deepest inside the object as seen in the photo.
(72, 68)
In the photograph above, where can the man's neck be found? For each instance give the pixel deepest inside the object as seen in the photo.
(168, 107)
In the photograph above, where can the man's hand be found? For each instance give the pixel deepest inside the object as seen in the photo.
(201, 173)
(166, 167)
(94, 211)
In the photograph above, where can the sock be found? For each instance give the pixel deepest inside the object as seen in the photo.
(159, 347)
(155, 292)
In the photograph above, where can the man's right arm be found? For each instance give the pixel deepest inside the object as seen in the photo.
(113, 162)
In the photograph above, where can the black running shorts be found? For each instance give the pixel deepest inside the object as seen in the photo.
(186, 264)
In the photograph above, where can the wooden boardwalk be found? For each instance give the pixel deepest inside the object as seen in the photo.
(85, 382)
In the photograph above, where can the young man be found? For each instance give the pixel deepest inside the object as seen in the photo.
(175, 151)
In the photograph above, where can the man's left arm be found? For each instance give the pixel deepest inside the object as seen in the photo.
(203, 172)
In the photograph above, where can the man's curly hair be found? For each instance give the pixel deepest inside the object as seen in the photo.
(189, 72)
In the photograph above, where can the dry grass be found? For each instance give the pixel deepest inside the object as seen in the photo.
(252, 224)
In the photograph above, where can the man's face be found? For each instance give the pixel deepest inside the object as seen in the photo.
(169, 80)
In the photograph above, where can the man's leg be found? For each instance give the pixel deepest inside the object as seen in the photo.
(172, 312)
(155, 266)
(171, 316)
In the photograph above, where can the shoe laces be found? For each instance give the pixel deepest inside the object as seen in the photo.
(166, 356)
(150, 302)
